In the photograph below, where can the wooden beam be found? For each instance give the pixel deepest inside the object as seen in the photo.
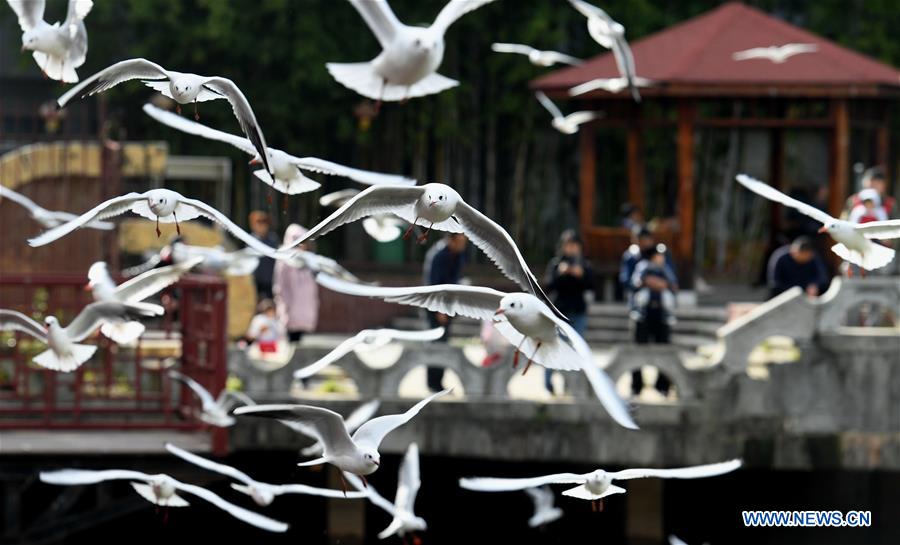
(587, 177)
(840, 156)
(686, 112)
(635, 166)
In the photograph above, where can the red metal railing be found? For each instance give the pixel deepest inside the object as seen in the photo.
(118, 388)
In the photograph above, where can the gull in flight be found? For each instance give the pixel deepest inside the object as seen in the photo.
(371, 338)
(60, 48)
(596, 485)
(287, 169)
(161, 490)
(610, 85)
(778, 54)
(854, 241)
(566, 124)
(239, 263)
(47, 218)
(181, 87)
(213, 411)
(436, 206)
(135, 290)
(611, 35)
(357, 418)
(544, 510)
(261, 493)
(381, 227)
(536, 56)
(304, 259)
(406, 67)
(64, 353)
(357, 454)
(405, 520)
(162, 205)
(521, 318)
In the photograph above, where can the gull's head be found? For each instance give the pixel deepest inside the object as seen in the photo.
(517, 305)
(262, 496)
(598, 481)
(183, 91)
(32, 39)
(423, 42)
(617, 29)
(836, 227)
(416, 524)
(163, 486)
(440, 196)
(162, 203)
(50, 321)
(372, 459)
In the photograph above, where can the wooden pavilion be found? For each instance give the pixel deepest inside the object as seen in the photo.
(697, 84)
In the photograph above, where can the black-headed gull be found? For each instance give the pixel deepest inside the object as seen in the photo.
(355, 419)
(610, 85)
(367, 337)
(435, 206)
(406, 67)
(161, 490)
(381, 227)
(64, 352)
(536, 56)
(261, 493)
(854, 241)
(213, 411)
(611, 35)
(60, 48)
(597, 484)
(181, 87)
(135, 290)
(778, 54)
(162, 205)
(405, 521)
(357, 454)
(529, 325)
(316, 263)
(287, 169)
(544, 510)
(238, 263)
(47, 218)
(566, 124)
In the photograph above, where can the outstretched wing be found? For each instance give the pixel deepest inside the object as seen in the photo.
(254, 519)
(191, 127)
(752, 53)
(21, 200)
(29, 12)
(549, 105)
(206, 210)
(206, 398)
(206, 463)
(154, 281)
(380, 19)
(335, 355)
(773, 194)
(541, 496)
(85, 476)
(453, 11)
(494, 484)
(96, 314)
(561, 58)
(373, 432)
(316, 491)
(789, 50)
(511, 48)
(327, 425)
(78, 10)
(108, 209)
(357, 175)
(880, 229)
(244, 114)
(580, 118)
(12, 320)
(361, 414)
(371, 493)
(113, 75)
(692, 472)
(409, 481)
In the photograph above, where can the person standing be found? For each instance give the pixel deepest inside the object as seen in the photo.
(260, 227)
(569, 278)
(296, 292)
(443, 265)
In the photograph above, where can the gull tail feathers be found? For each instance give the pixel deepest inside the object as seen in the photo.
(429, 85)
(312, 450)
(146, 492)
(295, 186)
(314, 462)
(80, 354)
(242, 488)
(583, 493)
(875, 257)
(362, 78)
(395, 526)
(55, 67)
(545, 517)
(123, 333)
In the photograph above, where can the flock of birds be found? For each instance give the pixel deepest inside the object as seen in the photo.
(405, 68)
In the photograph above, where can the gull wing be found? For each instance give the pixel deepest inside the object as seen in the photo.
(327, 425)
(361, 414)
(880, 229)
(453, 11)
(206, 398)
(379, 18)
(154, 281)
(549, 105)
(512, 48)
(254, 519)
(191, 127)
(773, 194)
(357, 175)
(13, 320)
(692, 472)
(373, 432)
(107, 209)
(29, 13)
(244, 114)
(495, 484)
(206, 463)
(96, 314)
(113, 75)
(85, 476)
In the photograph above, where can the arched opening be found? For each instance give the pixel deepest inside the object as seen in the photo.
(774, 350)
(648, 384)
(333, 382)
(871, 313)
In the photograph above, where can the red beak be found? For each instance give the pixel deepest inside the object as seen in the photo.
(823, 229)
(499, 312)
(87, 287)
(376, 463)
(255, 161)
(432, 203)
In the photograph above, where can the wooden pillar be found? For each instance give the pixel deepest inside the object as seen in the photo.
(840, 156)
(588, 177)
(685, 243)
(883, 146)
(644, 506)
(635, 165)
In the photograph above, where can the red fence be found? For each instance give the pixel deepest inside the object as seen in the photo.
(119, 387)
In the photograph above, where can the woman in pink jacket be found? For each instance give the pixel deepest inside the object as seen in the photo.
(296, 292)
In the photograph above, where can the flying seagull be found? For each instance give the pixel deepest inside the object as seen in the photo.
(381, 227)
(261, 493)
(357, 418)
(610, 85)
(160, 490)
(529, 325)
(64, 352)
(239, 263)
(357, 454)
(181, 87)
(47, 218)
(316, 263)
(288, 169)
(611, 35)
(544, 510)
(536, 56)
(60, 48)
(566, 124)
(854, 241)
(597, 484)
(406, 67)
(778, 54)
(135, 290)
(213, 411)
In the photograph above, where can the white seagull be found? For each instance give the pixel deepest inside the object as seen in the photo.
(287, 169)
(611, 35)
(357, 418)
(64, 352)
(181, 87)
(135, 290)
(261, 493)
(60, 48)
(161, 490)
(566, 124)
(304, 259)
(239, 263)
(162, 205)
(778, 54)
(357, 454)
(544, 510)
(406, 67)
(47, 218)
(610, 85)
(436, 206)
(597, 484)
(536, 56)
(213, 411)
(405, 520)
(854, 241)
(530, 326)
(372, 338)
(381, 227)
